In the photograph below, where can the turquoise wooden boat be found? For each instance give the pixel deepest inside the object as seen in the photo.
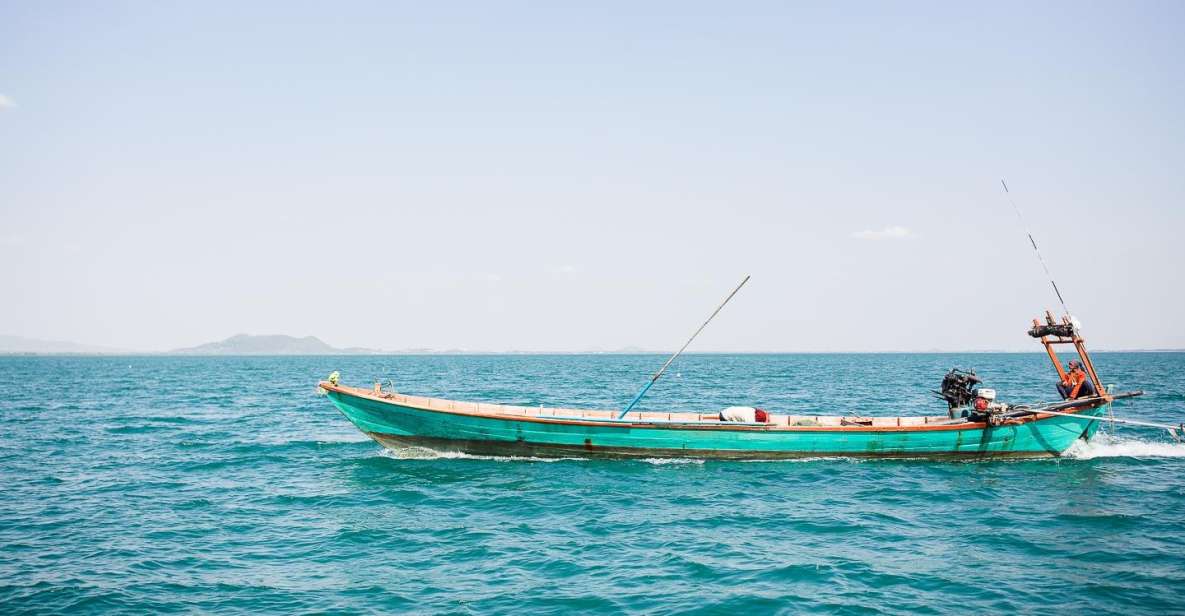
(398, 421)
(974, 426)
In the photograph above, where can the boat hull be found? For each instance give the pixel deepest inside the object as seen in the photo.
(396, 425)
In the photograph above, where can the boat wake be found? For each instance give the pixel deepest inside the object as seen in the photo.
(411, 452)
(423, 453)
(666, 461)
(1108, 446)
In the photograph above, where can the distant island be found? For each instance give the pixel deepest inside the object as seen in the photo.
(19, 345)
(246, 344)
(241, 344)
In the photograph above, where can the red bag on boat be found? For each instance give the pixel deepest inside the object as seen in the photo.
(761, 415)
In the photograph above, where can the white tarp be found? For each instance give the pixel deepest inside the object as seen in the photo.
(745, 414)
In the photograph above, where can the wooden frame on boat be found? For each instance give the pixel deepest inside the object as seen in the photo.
(1079, 345)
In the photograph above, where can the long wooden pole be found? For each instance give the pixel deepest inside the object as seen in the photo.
(1174, 431)
(664, 367)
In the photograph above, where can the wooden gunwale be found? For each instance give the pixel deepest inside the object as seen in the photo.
(1087, 404)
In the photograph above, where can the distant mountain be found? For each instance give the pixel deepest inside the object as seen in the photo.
(11, 345)
(631, 350)
(245, 344)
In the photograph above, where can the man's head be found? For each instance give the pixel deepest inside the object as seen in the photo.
(1075, 364)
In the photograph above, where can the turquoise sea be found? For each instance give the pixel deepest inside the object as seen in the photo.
(226, 484)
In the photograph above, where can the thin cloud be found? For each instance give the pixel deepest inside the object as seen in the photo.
(6, 102)
(894, 232)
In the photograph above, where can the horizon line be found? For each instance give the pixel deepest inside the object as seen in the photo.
(519, 353)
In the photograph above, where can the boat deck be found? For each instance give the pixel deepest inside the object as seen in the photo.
(776, 420)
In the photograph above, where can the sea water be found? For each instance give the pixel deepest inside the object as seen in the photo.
(162, 484)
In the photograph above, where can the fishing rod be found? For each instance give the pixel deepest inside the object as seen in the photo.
(664, 367)
(1029, 232)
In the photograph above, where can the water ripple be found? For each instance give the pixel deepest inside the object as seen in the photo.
(226, 485)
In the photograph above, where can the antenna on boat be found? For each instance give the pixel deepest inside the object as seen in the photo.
(664, 367)
(1029, 232)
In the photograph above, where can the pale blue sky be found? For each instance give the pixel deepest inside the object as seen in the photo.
(499, 176)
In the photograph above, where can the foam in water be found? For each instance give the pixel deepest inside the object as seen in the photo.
(665, 461)
(1108, 446)
(411, 452)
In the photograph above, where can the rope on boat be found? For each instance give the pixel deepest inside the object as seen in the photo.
(1110, 407)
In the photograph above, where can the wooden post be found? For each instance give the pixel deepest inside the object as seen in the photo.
(1080, 346)
(1057, 364)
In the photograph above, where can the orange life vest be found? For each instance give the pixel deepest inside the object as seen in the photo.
(1075, 378)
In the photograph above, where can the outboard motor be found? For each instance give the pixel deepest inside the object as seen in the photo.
(958, 389)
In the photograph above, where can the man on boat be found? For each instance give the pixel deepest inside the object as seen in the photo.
(1076, 384)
